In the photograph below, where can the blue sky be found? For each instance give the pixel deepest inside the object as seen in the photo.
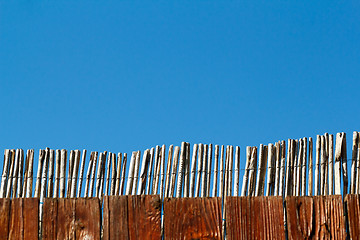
(127, 75)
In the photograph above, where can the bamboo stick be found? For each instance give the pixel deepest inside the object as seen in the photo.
(246, 173)
(123, 169)
(304, 165)
(282, 168)
(136, 173)
(331, 164)
(29, 181)
(69, 175)
(155, 186)
(168, 171)
(102, 176)
(98, 175)
(237, 163)
(174, 171)
(222, 163)
(337, 166)
(270, 171)
(209, 167)
(252, 172)
(299, 168)
(344, 165)
(62, 172)
(150, 173)
(38, 177)
(187, 171)
(11, 172)
(295, 168)
(180, 171)
(310, 177)
(322, 166)
(353, 164)
(193, 171)
(88, 175)
(226, 173)
(44, 179)
(204, 172)
(20, 173)
(288, 169)
(231, 166)
(277, 168)
(199, 171)
(93, 170)
(163, 149)
(4, 177)
(16, 173)
(144, 167)
(118, 174)
(113, 174)
(51, 174)
(261, 171)
(326, 149)
(82, 166)
(57, 173)
(74, 174)
(23, 193)
(216, 167)
(108, 169)
(131, 174)
(316, 182)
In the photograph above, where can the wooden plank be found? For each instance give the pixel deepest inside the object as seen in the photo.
(319, 217)
(254, 218)
(353, 213)
(4, 217)
(115, 217)
(24, 218)
(144, 216)
(192, 218)
(71, 218)
(132, 217)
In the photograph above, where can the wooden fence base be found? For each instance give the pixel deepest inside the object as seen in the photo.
(132, 217)
(192, 218)
(254, 218)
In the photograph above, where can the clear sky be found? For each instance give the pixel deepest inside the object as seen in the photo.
(127, 75)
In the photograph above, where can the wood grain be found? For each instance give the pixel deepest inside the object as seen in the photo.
(71, 219)
(254, 218)
(192, 218)
(24, 218)
(132, 217)
(4, 217)
(353, 212)
(319, 217)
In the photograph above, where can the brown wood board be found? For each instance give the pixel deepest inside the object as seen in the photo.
(4, 217)
(192, 218)
(71, 218)
(353, 213)
(24, 218)
(254, 218)
(317, 217)
(132, 217)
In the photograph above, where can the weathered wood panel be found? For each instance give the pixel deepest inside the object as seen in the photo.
(24, 218)
(132, 217)
(71, 218)
(318, 217)
(254, 218)
(353, 212)
(192, 218)
(4, 217)
(115, 217)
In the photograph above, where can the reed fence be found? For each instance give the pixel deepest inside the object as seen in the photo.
(181, 176)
